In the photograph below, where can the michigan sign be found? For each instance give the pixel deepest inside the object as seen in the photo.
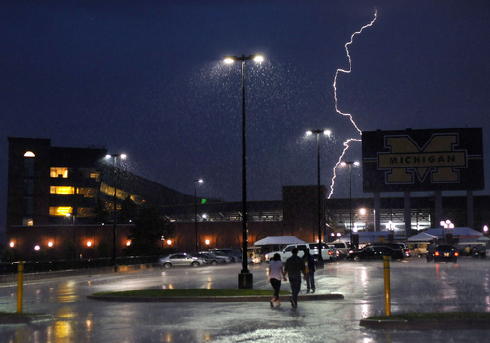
(422, 160)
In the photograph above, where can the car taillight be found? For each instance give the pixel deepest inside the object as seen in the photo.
(436, 253)
(330, 252)
(456, 253)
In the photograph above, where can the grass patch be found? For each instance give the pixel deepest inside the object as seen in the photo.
(436, 316)
(155, 293)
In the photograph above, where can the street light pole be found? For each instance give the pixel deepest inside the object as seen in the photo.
(245, 278)
(198, 181)
(115, 176)
(317, 133)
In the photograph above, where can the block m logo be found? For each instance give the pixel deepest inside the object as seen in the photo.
(437, 157)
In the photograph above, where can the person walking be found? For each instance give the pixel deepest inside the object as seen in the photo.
(310, 272)
(295, 266)
(276, 273)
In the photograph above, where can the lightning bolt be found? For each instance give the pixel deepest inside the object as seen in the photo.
(347, 142)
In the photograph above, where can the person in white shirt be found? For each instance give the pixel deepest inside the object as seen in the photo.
(276, 273)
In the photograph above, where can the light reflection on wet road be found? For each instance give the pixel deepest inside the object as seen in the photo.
(417, 286)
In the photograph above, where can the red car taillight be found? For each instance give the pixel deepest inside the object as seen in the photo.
(330, 252)
(456, 253)
(436, 253)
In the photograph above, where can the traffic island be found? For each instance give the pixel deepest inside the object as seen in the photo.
(203, 295)
(23, 318)
(430, 321)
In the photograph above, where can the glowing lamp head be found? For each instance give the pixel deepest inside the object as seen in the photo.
(124, 156)
(327, 132)
(29, 154)
(362, 211)
(309, 133)
(50, 244)
(485, 228)
(107, 156)
(128, 243)
(339, 234)
(228, 60)
(200, 181)
(89, 244)
(343, 164)
(169, 242)
(37, 247)
(258, 58)
(356, 164)
(12, 244)
(442, 223)
(207, 241)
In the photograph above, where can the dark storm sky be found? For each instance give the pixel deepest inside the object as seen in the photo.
(144, 77)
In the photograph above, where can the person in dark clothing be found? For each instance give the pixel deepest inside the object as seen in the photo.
(294, 267)
(310, 276)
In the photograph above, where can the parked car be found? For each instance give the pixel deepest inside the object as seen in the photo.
(210, 258)
(371, 252)
(401, 246)
(181, 259)
(327, 253)
(479, 251)
(234, 254)
(342, 248)
(443, 253)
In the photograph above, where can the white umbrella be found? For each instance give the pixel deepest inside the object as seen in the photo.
(279, 240)
(421, 237)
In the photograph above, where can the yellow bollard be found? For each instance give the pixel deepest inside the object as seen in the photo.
(386, 270)
(20, 286)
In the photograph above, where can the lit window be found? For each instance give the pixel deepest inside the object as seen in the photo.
(83, 212)
(87, 192)
(61, 172)
(60, 210)
(95, 176)
(62, 190)
(29, 154)
(27, 221)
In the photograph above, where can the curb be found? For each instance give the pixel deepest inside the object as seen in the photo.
(14, 318)
(253, 298)
(427, 324)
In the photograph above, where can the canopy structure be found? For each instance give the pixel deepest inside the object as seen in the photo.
(460, 232)
(279, 240)
(422, 237)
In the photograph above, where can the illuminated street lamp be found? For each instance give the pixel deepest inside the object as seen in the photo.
(196, 182)
(350, 164)
(318, 133)
(115, 159)
(245, 278)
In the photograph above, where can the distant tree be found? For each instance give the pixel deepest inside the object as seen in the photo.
(150, 226)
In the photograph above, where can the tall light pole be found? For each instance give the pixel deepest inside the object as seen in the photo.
(115, 175)
(245, 278)
(196, 182)
(350, 164)
(317, 133)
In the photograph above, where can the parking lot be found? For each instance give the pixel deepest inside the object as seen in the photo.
(416, 284)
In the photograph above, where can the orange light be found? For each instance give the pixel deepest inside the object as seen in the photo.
(207, 241)
(50, 244)
(12, 244)
(128, 242)
(89, 244)
(436, 253)
(169, 242)
(456, 253)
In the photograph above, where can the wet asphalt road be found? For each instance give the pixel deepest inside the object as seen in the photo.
(416, 286)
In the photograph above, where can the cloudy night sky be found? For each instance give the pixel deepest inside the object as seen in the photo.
(145, 78)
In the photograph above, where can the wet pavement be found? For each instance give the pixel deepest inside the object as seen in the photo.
(416, 286)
